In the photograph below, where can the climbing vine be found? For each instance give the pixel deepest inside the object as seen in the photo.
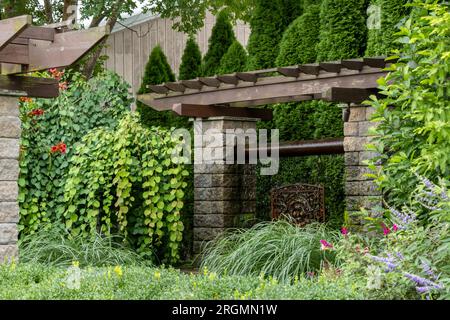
(51, 128)
(126, 181)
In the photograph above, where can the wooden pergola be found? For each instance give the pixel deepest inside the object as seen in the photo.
(345, 81)
(26, 48)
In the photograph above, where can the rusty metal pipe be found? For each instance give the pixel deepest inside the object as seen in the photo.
(307, 148)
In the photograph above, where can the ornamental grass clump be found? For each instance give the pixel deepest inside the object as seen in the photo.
(278, 249)
(57, 248)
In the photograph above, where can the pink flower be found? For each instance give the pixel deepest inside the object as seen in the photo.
(386, 229)
(395, 227)
(344, 231)
(324, 245)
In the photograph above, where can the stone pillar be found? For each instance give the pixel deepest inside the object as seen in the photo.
(224, 194)
(361, 191)
(9, 173)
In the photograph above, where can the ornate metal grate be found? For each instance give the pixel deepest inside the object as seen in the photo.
(303, 203)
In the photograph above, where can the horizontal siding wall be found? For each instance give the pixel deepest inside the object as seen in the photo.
(128, 51)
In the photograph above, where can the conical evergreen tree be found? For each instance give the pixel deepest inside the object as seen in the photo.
(343, 31)
(235, 60)
(191, 61)
(299, 41)
(222, 37)
(157, 71)
(382, 41)
(267, 25)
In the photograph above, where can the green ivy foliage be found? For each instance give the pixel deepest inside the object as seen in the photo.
(234, 60)
(157, 71)
(299, 41)
(382, 41)
(85, 105)
(267, 24)
(123, 180)
(222, 36)
(343, 30)
(414, 129)
(191, 61)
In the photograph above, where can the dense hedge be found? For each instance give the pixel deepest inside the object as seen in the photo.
(343, 30)
(382, 41)
(305, 121)
(222, 36)
(191, 61)
(157, 71)
(235, 60)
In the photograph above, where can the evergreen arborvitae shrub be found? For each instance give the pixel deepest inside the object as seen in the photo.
(343, 30)
(382, 41)
(235, 60)
(306, 121)
(157, 71)
(299, 41)
(191, 61)
(222, 37)
(267, 25)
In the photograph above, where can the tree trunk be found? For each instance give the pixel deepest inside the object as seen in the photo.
(48, 11)
(90, 63)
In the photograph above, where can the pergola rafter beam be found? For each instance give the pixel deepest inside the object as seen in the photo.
(33, 87)
(267, 90)
(202, 111)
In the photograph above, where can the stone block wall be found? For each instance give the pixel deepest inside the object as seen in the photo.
(224, 194)
(9, 173)
(361, 191)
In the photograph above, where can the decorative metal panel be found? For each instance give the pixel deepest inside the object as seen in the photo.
(303, 203)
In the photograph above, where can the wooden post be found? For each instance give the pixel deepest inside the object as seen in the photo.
(9, 173)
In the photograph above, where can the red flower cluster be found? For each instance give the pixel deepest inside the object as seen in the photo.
(36, 113)
(63, 85)
(61, 147)
(25, 99)
(56, 74)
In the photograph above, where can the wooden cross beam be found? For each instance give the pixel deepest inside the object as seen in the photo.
(201, 111)
(10, 28)
(33, 87)
(25, 48)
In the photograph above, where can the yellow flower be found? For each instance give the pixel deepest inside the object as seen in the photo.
(212, 276)
(118, 271)
(76, 264)
(157, 275)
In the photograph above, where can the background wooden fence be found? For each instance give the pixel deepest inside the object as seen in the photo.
(128, 51)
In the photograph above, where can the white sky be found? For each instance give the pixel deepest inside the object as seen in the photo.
(136, 11)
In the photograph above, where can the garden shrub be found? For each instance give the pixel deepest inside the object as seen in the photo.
(401, 256)
(51, 129)
(157, 71)
(278, 249)
(381, 42)
(191, 61)
(414, 128)
(123, 180)
(222, 36)
(343, 30)
(234, 60)
(41, 282)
